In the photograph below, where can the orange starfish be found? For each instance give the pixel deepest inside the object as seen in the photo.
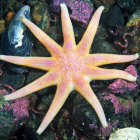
(70, 67)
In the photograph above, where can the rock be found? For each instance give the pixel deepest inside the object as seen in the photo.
(128, 5)
(13, 79)
(101, 46)
(113, 17)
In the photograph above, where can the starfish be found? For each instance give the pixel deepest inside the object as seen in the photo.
(69, 67)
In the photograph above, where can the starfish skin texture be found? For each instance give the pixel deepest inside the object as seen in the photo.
(70, 67)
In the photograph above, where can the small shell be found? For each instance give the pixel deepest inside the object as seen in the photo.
(128, 133)
(15, 39)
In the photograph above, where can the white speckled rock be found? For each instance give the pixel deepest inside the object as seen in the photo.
(128, 133)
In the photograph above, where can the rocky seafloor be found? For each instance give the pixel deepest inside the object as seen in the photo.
(118, 33)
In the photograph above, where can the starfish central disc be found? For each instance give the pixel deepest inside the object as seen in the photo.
(70, 63)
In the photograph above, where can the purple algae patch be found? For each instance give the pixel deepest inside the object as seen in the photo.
(81, 11)
(20, 108)
(118, 105)
(120, 85)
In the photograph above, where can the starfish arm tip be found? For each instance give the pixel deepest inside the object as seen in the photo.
(134, 78)
(62, 5)
(9, 97)
(1, 57)
(102, 7)
(5, 98)
(130, 78)
(137, 55)
(23, 19)
(105, 125)
(39, 132)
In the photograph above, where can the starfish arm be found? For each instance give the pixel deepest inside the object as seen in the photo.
(54, 48)
(86, 41)
(96, 73)
(44, 63)
(102, 59)
(46, 80)
(63, 90)
(68, 33)
(81, 84)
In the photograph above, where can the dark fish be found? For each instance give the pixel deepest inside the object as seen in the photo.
(16, 39)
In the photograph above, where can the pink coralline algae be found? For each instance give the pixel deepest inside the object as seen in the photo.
(120, 85)
(6, 117)
(106, 131)
(118, 106)
(20, 108)
(4, 106)
(103, 131)
(81, 10)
